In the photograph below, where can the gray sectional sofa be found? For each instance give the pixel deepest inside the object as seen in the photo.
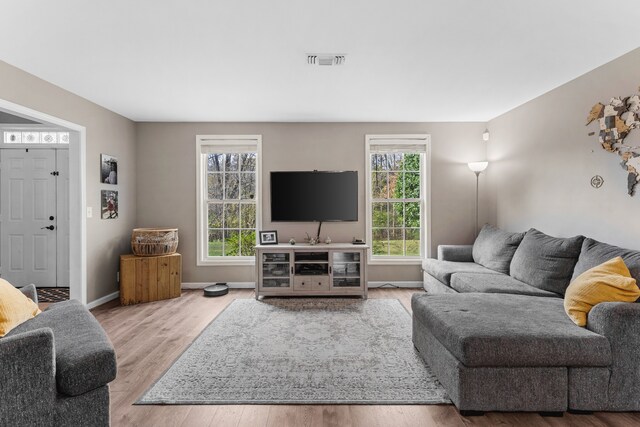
(492, 326)
(55, 369)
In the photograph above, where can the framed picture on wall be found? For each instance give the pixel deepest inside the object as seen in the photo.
(108, 169)
(108, 204)
(269, 237)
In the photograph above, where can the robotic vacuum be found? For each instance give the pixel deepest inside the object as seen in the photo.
(216, 290)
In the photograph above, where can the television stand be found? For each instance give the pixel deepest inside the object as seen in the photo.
(335, 269)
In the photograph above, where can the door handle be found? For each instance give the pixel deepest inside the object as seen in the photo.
(51, 227)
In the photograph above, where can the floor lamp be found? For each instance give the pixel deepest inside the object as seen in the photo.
(477, 168)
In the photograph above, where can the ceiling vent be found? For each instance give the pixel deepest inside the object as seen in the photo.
(325, 59)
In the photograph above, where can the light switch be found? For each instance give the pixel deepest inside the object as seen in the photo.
(89, 212)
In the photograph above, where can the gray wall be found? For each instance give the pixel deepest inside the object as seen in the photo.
(542, 161)
(107, 133)
(166, 180)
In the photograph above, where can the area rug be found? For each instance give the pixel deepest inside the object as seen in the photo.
(302, 351)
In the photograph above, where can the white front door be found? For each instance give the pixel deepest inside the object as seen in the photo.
(28, 211)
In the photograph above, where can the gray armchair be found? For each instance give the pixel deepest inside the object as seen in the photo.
(55, 369)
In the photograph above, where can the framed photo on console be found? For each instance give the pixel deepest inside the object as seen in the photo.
(268, 237)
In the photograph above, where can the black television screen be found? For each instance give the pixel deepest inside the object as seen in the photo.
(314, 196)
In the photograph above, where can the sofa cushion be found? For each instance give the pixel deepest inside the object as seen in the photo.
(85, 358)
(494, 248)
(594, 253)
(546, 262)
(496, 284)
(15, 307)
(607, 282)
(442, 270)
(509, 330)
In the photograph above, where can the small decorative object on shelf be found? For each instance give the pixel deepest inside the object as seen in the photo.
(154, 241)
(292, 241)
(327, 240)
(311, 240)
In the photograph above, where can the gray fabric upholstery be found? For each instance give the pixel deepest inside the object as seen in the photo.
(619, 322)
(492, 388)
(496, 284)
(88, 409)
(27, 381)
(494, 248)
(80, 346)
(30, 292)
(588, 388)
(442, 270)
(546, 262)
(457, 253)
(509, 330)
(433, 286)
(595, 253)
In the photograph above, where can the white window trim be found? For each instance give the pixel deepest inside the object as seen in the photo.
(425, 188)
(201, 186)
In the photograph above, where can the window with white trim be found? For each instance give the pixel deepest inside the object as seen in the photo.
(228, 198)
(397, 197)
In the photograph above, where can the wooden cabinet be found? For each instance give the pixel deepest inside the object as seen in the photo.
(333, 269)
(144, 279)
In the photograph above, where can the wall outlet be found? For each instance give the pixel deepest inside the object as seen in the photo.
(89, 212)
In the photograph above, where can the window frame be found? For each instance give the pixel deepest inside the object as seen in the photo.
(202, 229)
(400, 141)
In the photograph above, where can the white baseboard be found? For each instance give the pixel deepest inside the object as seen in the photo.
(232, 285)
(397, 284)
(104, 299)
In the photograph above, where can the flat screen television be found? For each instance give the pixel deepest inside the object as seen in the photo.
(314, 196)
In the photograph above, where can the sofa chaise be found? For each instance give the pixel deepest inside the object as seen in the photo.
(492, 326)
(55, 369)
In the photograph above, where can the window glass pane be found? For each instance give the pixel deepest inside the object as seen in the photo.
(248, 162)
(30, 137)
(380, 214)
(396, 214)
(412, 240)
(394, 161)
(231, 184)
(215, 243)
(396, 241)
(215, 162)
(63, 137)
(48, 137)
(231, 243)
(214, 186)
(379, 185)
(380, 245)
(247, 185)
(412, 185)
(394, 188)
(411, 162)
(412, 214)
(378, 162)
(248, 242)
(248, 215)
(231, 215)
(231, 162)
(215, 215)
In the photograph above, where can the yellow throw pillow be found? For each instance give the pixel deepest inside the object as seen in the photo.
(15, 307)
(607, 282)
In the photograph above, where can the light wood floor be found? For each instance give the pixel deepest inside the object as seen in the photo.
(149, 337)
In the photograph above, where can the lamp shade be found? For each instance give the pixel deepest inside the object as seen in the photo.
(477, 166)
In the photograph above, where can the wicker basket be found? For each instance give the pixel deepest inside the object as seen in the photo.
(154, 241)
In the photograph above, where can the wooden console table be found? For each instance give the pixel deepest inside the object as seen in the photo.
(304, 270)
(144, 279)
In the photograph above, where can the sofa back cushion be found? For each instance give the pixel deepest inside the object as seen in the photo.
(546, 262)
(494, 248)
(595, 253)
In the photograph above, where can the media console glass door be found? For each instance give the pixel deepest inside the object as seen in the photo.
(276, 270)
(345, 269)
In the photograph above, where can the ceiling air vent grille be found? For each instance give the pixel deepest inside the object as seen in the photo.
(325, 59)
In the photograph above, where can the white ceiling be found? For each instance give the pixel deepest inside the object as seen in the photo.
(245, 60)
